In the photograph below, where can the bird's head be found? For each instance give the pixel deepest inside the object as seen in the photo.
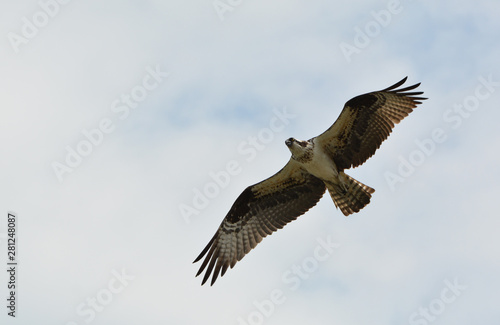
(298, 148)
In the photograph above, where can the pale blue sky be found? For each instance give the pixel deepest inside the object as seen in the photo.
(425, 250)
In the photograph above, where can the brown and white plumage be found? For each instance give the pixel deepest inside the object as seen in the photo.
(365, 122)
(317, 164)
(259, 211)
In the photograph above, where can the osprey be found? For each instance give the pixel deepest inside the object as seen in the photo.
(316, 165)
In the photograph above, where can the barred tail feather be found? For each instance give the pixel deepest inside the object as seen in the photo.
(350, 195)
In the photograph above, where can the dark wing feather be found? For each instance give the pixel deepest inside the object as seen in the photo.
(260, 210)
(365, 122)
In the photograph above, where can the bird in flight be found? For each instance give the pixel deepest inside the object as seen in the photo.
(316, 165)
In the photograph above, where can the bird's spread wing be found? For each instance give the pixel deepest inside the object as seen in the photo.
(260, 210)
(365, 122)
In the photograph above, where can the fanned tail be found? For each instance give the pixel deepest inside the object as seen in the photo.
(349, 195)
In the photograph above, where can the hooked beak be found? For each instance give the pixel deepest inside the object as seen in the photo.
(289, 142)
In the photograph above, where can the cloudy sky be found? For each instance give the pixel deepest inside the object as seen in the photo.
(128, 128)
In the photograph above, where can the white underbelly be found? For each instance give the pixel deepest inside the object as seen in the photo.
(321, 166)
